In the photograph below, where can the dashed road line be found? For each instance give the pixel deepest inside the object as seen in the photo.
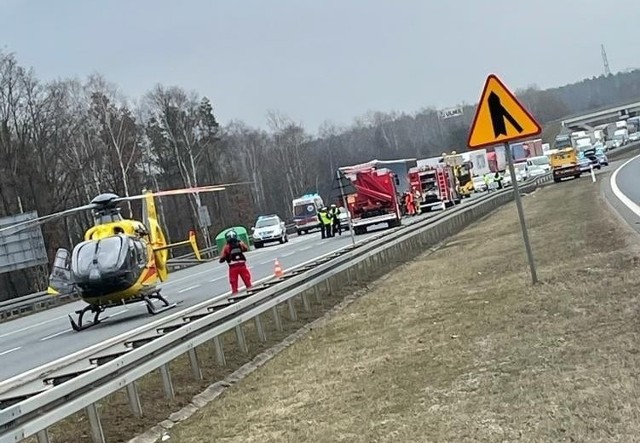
(10, 350)
(55, 335)
(188, 289)
(26, 328)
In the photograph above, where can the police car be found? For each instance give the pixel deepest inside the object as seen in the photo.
(269, 228)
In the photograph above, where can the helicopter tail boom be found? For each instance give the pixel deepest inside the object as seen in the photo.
(192, 241)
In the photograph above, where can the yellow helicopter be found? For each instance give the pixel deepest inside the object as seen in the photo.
(120, 261)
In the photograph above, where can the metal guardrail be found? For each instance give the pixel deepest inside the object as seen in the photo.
(18, 307)
(124, 363)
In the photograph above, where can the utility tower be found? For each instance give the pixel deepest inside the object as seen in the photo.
(607, 71)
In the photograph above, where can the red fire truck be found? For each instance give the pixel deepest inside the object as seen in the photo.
(375, 200)
(437, 185)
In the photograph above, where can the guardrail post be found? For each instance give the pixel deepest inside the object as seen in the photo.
(276, 318)
(260, 329)
(217, 344)
(167, 384)
(305, 301)
(43, 436)
(195, 366)
(293, 315)
(97, 435)
(242, 343)
(316, 290)
(134, 399)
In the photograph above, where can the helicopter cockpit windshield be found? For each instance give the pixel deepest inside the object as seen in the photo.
(96, 259)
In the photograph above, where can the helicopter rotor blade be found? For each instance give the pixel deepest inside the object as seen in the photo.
(192, 190)
(28, 224)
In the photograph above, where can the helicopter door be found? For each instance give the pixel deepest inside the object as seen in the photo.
(60, 278)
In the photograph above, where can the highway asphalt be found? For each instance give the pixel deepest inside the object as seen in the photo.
(29, 342)
(627, 195)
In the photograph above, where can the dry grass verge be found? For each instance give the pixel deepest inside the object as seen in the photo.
(458, 346)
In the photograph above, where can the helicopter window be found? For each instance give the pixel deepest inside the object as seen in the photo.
(141, 254)
(133, 255)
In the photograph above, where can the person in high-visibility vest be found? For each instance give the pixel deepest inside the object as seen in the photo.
(233, 254)
(337, 227)
(411, 209)
(417, 198)
(498, 178)
(487, 181)
(325, 222)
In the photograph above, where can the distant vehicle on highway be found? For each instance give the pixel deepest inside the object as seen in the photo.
(634, 137)
(536, 171)
(522, 168)
(305, 213)
(585, 164)
(541, 161)
(602, 157)
(507, 177)
(343, 216)
(479, 184)
(268, 229)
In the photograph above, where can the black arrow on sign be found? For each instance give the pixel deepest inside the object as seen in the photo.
(499, 114)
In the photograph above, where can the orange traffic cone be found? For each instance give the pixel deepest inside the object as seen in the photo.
(278, 270)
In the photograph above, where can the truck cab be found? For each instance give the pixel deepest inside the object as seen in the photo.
(564, 163)
(376, 200)
(462, 172)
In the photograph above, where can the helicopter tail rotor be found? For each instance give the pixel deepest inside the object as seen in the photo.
(194, 245)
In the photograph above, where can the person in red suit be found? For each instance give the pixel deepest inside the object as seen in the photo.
(233, 254)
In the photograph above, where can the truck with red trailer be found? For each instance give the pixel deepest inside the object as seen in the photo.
(437, 184)
(376, 199)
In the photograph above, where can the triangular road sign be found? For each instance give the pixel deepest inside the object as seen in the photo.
(500, 117)
(345, 184)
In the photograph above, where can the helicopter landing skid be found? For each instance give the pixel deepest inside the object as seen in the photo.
(152, 309)
(80, 326)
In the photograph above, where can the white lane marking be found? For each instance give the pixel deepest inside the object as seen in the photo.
(26, 328)
(216, 279)
(306, 248)
(188, 289)
(55, 335)
(187, 277)
(619, 194)
(289, 253)
(118, 313)
(10, 350)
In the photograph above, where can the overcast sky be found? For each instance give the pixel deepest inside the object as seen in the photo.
(319, 60)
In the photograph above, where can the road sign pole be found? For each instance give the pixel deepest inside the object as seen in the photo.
(346, 207)
(516, 195)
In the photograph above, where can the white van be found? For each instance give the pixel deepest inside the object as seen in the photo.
(542, 161)
(305, 213)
